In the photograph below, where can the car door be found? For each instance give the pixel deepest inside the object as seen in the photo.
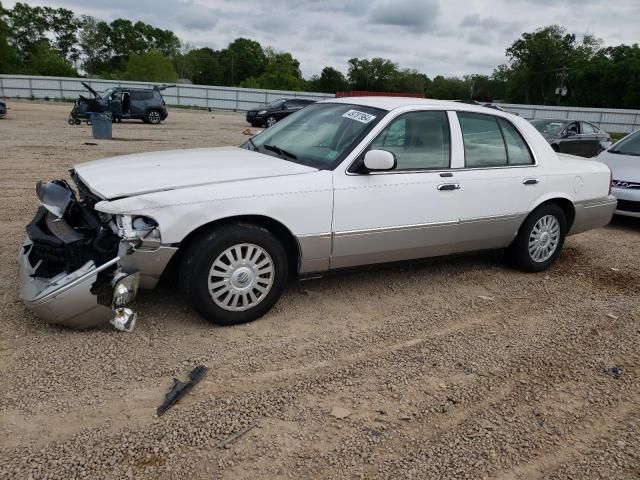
(570, 142)
(140, 101)
(591, 139)
(499, 181)
(408, 212)
(289, 107)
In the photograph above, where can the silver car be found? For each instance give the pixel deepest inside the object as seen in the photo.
(623, 158)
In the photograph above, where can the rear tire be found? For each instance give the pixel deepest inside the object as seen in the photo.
(234, 274)
(154, 117)
(540, 239)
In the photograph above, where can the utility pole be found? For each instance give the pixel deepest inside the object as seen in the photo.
(562, 75)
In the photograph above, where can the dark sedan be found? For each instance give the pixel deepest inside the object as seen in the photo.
(573, 136)
(276, 110)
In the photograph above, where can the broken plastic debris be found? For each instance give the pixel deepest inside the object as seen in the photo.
(180, 389)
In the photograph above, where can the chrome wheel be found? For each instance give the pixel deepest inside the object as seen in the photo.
(544, 238)
(154, 117)
(271, 121)
(241, 277)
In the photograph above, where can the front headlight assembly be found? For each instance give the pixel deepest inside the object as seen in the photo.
(262, 112)
(137, 228)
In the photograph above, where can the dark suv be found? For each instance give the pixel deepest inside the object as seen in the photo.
(276, 110)
(144, 104)
(3, 109)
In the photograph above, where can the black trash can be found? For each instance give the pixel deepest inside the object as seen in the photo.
(101, 126)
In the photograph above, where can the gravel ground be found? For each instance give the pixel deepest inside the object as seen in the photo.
(448, 368)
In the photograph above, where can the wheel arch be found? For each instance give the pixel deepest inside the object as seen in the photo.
(277, 228)
(562, 201)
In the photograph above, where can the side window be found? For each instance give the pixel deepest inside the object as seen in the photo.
(517, 151)
(587, 128)
(573, 129)
(419, 140)
(140, 95)
(483, 142)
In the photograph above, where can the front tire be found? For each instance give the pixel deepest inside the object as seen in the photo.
(271, 121)
(234, 274)
(540, 239)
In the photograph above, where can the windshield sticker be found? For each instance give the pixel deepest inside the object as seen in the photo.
(359, 116)
(332, 155)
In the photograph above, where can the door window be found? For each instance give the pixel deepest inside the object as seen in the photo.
(587, 128)
(483, 142)
(492, 142)
(518, 152)
(419, 140)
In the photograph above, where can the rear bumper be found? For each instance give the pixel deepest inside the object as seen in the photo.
(592, 214)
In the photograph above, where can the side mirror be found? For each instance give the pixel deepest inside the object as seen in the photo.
(284, 106)
(379, 160)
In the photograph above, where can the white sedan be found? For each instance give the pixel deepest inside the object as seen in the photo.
(623, 158)
(341, 183)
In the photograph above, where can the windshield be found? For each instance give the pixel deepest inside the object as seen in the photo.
(548, 126)
(319, 136)
(276, 103)
(629, 145)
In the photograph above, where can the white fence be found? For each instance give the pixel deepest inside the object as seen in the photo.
(608, 119)
(241, 99)
(225, 98)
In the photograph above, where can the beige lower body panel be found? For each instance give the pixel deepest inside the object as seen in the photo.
(593, 214)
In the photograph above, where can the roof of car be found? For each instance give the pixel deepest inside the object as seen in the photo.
(391, 103)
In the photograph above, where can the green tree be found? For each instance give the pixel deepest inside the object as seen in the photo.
(201, 66)
(282, 72)
(94, 39)
(376, 74)
(45, 60)
(243, 58)
(8, 54)
(150, 67)
(329, 81)
(28, 26)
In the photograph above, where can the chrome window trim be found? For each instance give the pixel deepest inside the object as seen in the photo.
(496, 117)
(534, 155)
(416, 170)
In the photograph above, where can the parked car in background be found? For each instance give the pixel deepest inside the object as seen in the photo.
(623, 158)
(275, 111)
(341, 183)
(144, 104)
(573, 136)
(3, 109)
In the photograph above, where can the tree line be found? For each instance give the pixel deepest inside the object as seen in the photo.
(549, 66)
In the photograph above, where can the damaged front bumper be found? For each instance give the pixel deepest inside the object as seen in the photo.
(66, 299)
(79, 268)
(91, 295)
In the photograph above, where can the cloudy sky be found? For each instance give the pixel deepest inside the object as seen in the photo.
(449, 37)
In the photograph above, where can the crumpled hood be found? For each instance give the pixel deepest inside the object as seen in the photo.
(623, 167)
(142, 173)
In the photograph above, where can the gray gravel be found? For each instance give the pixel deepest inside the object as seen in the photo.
(457, 368)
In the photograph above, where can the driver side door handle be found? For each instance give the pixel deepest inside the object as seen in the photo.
(449, 186)
(531, 181)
